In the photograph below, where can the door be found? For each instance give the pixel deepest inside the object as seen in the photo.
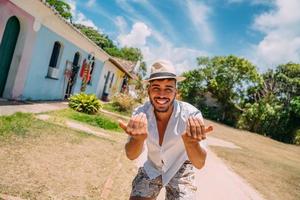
(7, 48)
(105, 89)
(72, 78)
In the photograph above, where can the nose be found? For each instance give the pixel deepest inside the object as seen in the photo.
(161, 94)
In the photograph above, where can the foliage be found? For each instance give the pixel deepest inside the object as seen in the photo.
(267, 103)
(279, 88)
(140, 89)
(99, 39)
(288, 77)
(295, 105)
(104, 42)
(86, 103)
(193, 87)
(297, 137)
(142, 70)
(268, 118)
(61, 7)
(123, 102)
(226, 78)
(127, 53)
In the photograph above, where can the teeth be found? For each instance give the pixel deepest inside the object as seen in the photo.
(162, 101)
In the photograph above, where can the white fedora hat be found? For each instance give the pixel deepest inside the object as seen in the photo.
(163, 69)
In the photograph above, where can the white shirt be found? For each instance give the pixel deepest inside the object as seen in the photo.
(167, 159)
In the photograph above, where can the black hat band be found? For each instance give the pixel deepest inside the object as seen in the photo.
(161, 74)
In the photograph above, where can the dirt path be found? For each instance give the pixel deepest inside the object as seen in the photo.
(32, 108)
(216, 181)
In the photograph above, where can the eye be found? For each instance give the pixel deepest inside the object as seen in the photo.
(169, 90)
(155, 89)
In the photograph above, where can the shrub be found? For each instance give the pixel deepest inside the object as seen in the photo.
(123, 102)
(86, 103)
(297, 137)
(269, 119)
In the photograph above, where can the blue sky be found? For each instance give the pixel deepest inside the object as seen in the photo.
(267, 32)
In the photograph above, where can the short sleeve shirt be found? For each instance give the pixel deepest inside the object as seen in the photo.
(166, 160)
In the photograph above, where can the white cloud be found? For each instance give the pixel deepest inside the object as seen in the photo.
(91, 3)
(183, 58)
(79, 17)
(198, 13)
(121, 24)
(281, 42)
(137, 36)
(253, 2)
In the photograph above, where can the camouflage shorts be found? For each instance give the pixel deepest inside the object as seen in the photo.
(181, 186)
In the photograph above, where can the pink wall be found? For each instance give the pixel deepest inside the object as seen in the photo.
(24, 48)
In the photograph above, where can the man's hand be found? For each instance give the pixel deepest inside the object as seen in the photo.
(137, 127)
(196, 131)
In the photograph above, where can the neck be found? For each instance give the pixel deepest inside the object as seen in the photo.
(162, 116)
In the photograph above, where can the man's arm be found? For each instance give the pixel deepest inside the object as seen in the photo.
(196, 154)
(134, 148)
(195, 132)
(137, 130)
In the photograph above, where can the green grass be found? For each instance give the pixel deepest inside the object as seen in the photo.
(25, 125)
(16, 124)
(97, 120)
(111, 108)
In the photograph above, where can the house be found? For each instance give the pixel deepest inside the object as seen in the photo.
(44, 57)
(116, 78)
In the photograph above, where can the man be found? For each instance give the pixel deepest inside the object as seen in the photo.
(172, 131)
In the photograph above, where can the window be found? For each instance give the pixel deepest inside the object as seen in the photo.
(111, 81)
(53, 70)
(76, 59)
(55, 55)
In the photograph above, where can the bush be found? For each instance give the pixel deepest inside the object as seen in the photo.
(123, 102)
(86, 103)
(269, 119)
(297, 137)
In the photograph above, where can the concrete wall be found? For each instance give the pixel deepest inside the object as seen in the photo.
(116, 84)
(40, 28)
(45, 16)
(23, 51)
(40, 87)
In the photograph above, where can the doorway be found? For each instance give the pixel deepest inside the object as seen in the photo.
(73, 75)
(7, 48)
(105, 89)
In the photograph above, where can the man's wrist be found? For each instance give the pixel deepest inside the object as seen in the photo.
(139, 139)
(189, 142)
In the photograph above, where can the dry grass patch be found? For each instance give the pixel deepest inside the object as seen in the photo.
(272, 167)
(53, 162)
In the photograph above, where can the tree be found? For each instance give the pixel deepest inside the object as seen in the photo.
(226, 78)
(99, 39)
(127, 53)
(288, 78)
(104, 42)
(273, 108)
(194, 87)
(142, 69)
(62, 8)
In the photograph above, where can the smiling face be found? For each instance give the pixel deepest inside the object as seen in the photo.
(162, 94)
